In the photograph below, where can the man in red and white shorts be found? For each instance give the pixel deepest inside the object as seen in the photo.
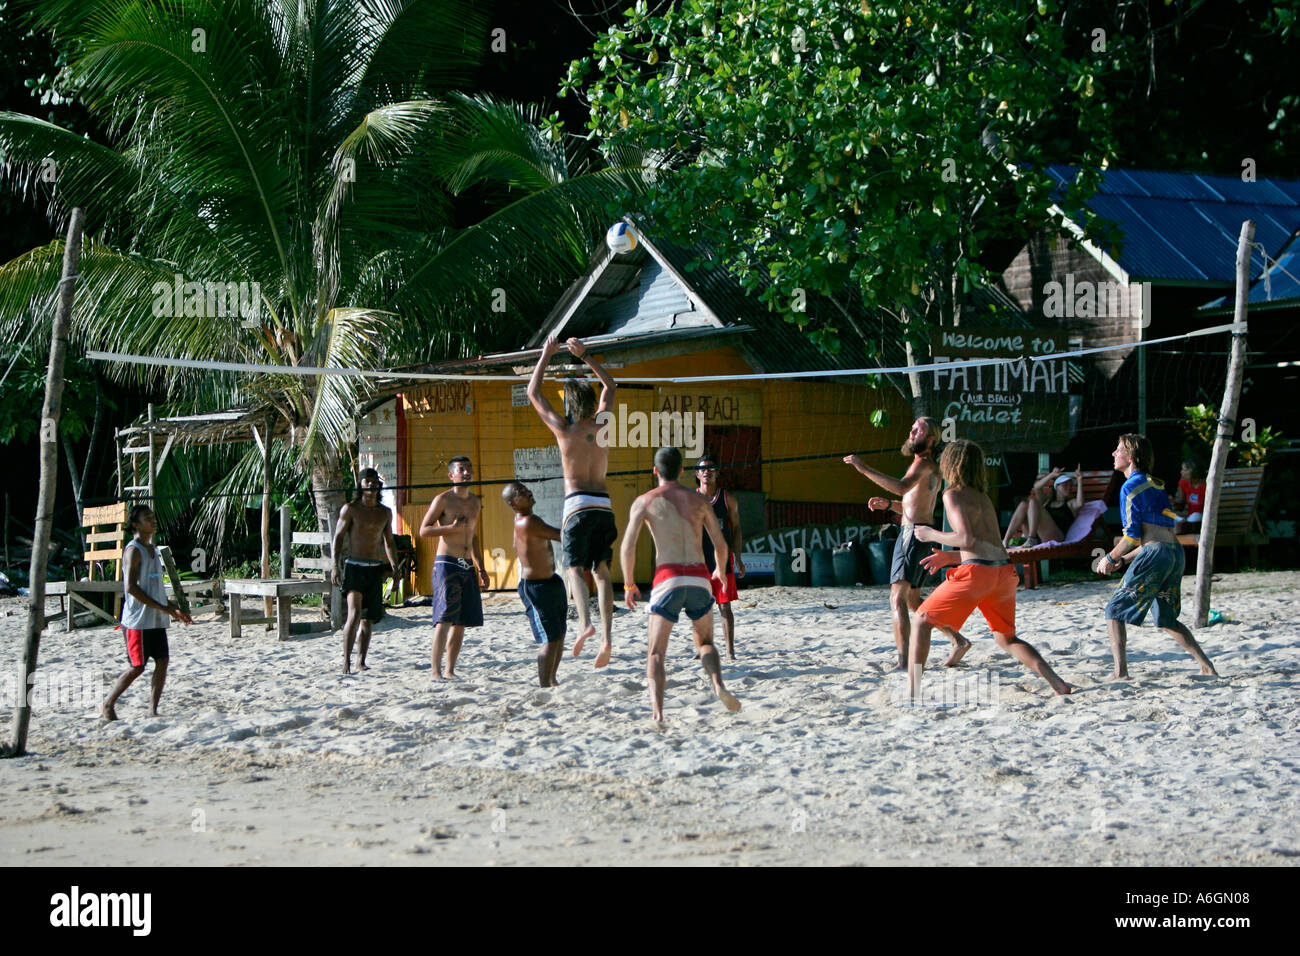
(677, 518)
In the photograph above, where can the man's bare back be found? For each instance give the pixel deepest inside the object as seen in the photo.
(676, 517)
(533, 538)
(585, 460)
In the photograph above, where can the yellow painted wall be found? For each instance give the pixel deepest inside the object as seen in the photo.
(797, 418)
(821, 422)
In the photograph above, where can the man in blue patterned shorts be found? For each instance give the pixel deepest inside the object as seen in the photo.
(1155, 576)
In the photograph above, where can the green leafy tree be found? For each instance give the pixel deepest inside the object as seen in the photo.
(883, 148)
(305, 159)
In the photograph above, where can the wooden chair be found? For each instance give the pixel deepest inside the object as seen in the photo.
(106, 535)
(1238, 520)
(1097, 486)
(284, 590)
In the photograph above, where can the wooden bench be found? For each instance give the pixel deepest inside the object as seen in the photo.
(1238, 521)
(1097, 486)
(106, 536)
(284, 590)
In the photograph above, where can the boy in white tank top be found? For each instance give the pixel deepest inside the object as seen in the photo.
(145, 611)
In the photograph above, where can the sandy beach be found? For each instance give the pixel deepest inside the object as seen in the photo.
(266, 754)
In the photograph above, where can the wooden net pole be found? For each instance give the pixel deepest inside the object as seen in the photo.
(50, 414)
(1223, 435)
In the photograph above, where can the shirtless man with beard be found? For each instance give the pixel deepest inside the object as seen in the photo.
(918, 490)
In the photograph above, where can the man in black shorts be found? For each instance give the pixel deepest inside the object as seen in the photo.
(919, 489)
(587, 531)
(367, 527)
(540, 588)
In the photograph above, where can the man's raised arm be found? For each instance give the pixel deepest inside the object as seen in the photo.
(608, 385)
(535, 396)
(895, 486)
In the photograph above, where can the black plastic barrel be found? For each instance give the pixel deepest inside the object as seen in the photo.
(846, 567)
(786, 576)
(882, 555)
(823, 568)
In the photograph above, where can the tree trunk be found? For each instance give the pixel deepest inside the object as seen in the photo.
(328, 499)
(49, 478)
(76, 482)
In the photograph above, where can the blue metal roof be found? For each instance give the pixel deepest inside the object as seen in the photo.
(1183, 227)
(1280, 288)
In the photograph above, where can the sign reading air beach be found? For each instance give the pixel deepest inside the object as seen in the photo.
(1016, 405)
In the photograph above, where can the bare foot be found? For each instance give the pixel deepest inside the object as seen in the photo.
(1119, 675)
(901, 665)
(657, 717)
(451, 675)
(437, 677)
(108, 712)
(582, 639)
(1209, 671)
(1063, 689)
(960, 646)
(154, 713)
(602, 659)
(728, 701)
(362, 666)
(347, 668)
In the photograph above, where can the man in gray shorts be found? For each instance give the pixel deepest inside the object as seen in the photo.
(918, 489)
(1155, 576)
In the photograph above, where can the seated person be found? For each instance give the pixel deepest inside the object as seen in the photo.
(1050, 509)
(1189, 499)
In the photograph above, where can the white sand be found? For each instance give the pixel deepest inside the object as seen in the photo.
(266, 754)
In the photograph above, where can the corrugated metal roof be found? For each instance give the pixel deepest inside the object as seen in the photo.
(1183, 227)
(634, 298)
(1280, 288)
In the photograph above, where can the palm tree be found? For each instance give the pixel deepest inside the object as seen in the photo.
(311, 151)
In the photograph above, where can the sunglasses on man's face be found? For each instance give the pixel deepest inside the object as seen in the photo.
(706, 468)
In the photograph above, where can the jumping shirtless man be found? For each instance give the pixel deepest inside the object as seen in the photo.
(985, 579)
(587, 529)
(677, 518)
(458, 572)
(368, 527)
(540, 588)
(918, 488)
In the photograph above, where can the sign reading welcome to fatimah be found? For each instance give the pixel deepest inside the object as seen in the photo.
(1022, 404)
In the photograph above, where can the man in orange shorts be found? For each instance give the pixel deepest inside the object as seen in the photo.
(984, 577)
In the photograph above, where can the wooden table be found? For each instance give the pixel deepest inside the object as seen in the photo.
(283, 590)
(75, 593)
(72, 593)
